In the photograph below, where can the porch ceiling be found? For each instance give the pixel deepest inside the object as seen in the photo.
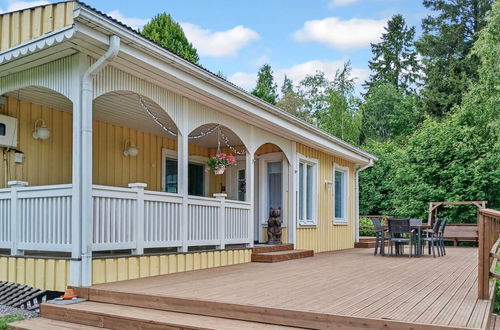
(122, 109)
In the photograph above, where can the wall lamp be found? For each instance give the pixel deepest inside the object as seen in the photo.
(41, 132)
(130, 150)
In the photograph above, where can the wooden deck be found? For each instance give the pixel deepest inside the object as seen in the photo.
(350, 289)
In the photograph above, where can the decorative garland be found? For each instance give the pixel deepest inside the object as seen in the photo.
(192, 137)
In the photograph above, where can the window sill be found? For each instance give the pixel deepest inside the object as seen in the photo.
(340, 222)
(307, 225)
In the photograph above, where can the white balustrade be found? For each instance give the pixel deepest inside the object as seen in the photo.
(39, 219)
(35, 218)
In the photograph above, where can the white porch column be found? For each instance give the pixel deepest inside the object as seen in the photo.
(249, 193)
(75, 273)
(182, 172)
(292, 197)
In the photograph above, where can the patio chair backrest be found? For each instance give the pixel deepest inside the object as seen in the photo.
(436, 226)
(442, 226)
(399, 226)
(377, 225)
(415, 222)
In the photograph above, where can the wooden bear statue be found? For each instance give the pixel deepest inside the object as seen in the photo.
(274, 226)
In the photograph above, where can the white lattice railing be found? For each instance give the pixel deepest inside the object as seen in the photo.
(35, 218)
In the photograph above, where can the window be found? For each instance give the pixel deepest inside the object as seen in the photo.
(307, 195)
(197, 180)
(241, 184)
(274, 185)
(340, 194)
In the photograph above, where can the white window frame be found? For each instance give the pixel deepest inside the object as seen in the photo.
(314, 163)
(345, 170)
(193, 159)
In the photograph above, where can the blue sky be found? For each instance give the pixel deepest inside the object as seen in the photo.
(296, 37)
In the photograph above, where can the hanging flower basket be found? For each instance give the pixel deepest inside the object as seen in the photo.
(220, 162)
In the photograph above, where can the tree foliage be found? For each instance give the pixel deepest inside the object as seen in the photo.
(169, 34)
(388, 113)
(447, 39)
(453, 158)
(395, 58)
(266, 88)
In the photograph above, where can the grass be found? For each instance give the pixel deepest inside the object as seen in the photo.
(8, 319)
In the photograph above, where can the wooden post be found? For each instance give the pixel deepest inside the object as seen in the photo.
(15, 220)
(139, 217)
(182, 173)
(483, 260)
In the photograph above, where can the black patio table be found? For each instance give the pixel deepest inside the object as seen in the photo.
(418, 227)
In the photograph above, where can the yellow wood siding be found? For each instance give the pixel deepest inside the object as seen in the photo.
(45, 162)
(126, 268)
(326, 236)
(41, 273)
(48, 162)
(21, 26)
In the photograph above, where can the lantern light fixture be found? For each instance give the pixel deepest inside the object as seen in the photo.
(41, 131)
(130, 150)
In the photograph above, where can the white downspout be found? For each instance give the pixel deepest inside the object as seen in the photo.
(86, 159)
(356, 194)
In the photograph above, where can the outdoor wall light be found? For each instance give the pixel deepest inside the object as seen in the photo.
(41, 131)
(130, 150)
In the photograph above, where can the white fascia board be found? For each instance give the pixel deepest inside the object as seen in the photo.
(37, 44)
(156, 56)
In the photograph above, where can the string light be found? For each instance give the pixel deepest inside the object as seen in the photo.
(192, 137)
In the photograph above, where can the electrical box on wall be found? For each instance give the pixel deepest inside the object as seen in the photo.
(8, 131)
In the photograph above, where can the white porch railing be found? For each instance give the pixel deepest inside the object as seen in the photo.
(39, 218)
(134, 218)
(35, 218)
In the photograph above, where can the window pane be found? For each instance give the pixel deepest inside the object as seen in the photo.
(309, 194)
(339, 194)
(195, 179)
(241, 185)
(274, 184)
(171, 176)
(301, 191)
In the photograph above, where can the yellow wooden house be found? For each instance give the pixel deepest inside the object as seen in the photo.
(105, 137)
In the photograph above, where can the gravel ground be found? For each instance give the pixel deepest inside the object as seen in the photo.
(7, 310)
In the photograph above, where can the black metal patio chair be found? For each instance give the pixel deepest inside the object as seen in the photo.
(441, 230)
(379, 236)
(401, 233)
(432, 238)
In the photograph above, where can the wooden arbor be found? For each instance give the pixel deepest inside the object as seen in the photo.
(433, 207)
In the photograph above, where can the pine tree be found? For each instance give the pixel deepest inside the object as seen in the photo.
(266, 88)
(169, 34)
(395, 58)
(287, 86)
(447, 39)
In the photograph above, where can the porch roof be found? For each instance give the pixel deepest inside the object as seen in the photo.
(90, 33)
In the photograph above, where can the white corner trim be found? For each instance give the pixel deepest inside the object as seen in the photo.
(345, 170)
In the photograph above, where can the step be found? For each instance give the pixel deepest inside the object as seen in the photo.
(120, 317)
(261, 248)
(366, 239)
(277, 256)
(41, 323)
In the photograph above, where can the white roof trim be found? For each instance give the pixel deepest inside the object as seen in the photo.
(37, 44)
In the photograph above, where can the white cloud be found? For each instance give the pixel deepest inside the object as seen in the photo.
(133, 22)
(340, 3)
(300, 71)
(219, 43)
(19, 5)
(352, 33)
(261, 60)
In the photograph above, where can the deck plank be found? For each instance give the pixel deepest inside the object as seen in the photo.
(352, 283)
